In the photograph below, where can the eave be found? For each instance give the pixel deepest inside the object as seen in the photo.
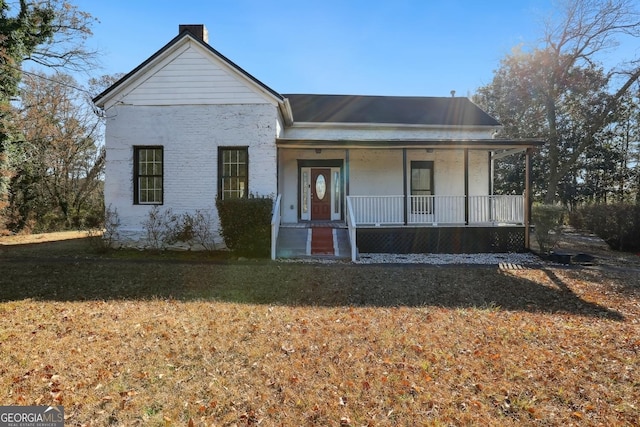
(392, 126)
(484, 144)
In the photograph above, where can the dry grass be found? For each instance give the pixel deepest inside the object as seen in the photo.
(160, 341)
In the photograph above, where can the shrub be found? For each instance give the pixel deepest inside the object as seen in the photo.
(201, 230)
(108, 238)
(246, 224)
(548, 221)
(617, 224)
(160, 227)
(194, 229)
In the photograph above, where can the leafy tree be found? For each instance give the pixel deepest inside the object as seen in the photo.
(558, 91)
(50, 33)
(624, 137)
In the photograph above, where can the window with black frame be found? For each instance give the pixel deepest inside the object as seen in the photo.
(233, 172)
(421, 186)
(148, 175)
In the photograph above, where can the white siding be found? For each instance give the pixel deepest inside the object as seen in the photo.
(383, 133)
(190, 136)
(191, 76)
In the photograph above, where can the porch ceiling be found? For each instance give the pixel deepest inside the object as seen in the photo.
(486, 144)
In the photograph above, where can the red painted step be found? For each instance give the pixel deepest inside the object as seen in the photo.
(322, 241)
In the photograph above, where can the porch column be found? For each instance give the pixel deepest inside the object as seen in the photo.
(346, 173)
(404, 185)
(466, 186)
(492, 171)
(527, 198)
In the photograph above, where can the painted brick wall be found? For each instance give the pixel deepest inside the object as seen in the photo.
(190, 136)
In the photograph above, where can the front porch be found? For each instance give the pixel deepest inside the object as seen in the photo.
(410, 224)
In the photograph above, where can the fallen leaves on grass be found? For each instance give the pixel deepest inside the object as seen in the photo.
(204, 363)
(157, 344)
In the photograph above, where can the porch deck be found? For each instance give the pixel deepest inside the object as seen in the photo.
(396, 224)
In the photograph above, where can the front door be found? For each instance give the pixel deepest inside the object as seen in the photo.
(320, 194)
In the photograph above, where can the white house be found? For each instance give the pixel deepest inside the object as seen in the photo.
(394, 174)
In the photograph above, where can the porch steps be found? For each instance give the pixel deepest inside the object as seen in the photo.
(313, 242)
(322, 241)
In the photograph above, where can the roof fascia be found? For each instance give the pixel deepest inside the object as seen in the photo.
(485, 144)
(359, 126)
(287, 112)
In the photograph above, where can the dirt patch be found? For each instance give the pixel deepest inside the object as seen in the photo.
(575, 242)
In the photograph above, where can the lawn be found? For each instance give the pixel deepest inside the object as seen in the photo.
(181, 339)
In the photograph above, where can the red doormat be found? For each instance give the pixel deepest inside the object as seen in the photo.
(322, 241)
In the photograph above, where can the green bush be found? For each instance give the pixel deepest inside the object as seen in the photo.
(246, 224)
(548, 220)
(617, 224)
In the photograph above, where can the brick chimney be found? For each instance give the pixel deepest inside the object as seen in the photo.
(198, 30)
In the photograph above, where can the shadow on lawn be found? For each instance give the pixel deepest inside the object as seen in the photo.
(264, 282)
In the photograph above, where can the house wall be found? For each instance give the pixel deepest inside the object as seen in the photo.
(380, 172)
(190, 136)
(375, 172)
(288, 182)
(449, 170)
(479, 173)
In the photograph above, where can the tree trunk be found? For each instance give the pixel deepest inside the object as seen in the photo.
(554, 152)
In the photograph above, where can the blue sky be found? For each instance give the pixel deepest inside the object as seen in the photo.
(395, 47)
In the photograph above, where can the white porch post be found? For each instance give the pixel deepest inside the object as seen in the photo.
(466, 186)
(346, 173)
(404, 185)
(527, 198)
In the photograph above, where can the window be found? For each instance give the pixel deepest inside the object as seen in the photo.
(233, 172)
(422, 187)
(148, 175)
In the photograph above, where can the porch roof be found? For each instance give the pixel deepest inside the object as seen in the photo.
(403, 110)
(486, 144)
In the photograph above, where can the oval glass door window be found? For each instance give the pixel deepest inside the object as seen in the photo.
(321, 187)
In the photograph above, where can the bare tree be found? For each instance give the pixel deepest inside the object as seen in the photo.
(559, 90)
(61, 172)
(66, 47)
(586, 29)
(51, 33)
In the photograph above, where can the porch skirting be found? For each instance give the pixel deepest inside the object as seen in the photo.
(452, 240)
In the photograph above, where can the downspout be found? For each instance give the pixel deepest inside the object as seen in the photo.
(277, 170)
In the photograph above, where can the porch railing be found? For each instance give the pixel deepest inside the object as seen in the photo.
(378, 210)
(434, 210)
(496, 209)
